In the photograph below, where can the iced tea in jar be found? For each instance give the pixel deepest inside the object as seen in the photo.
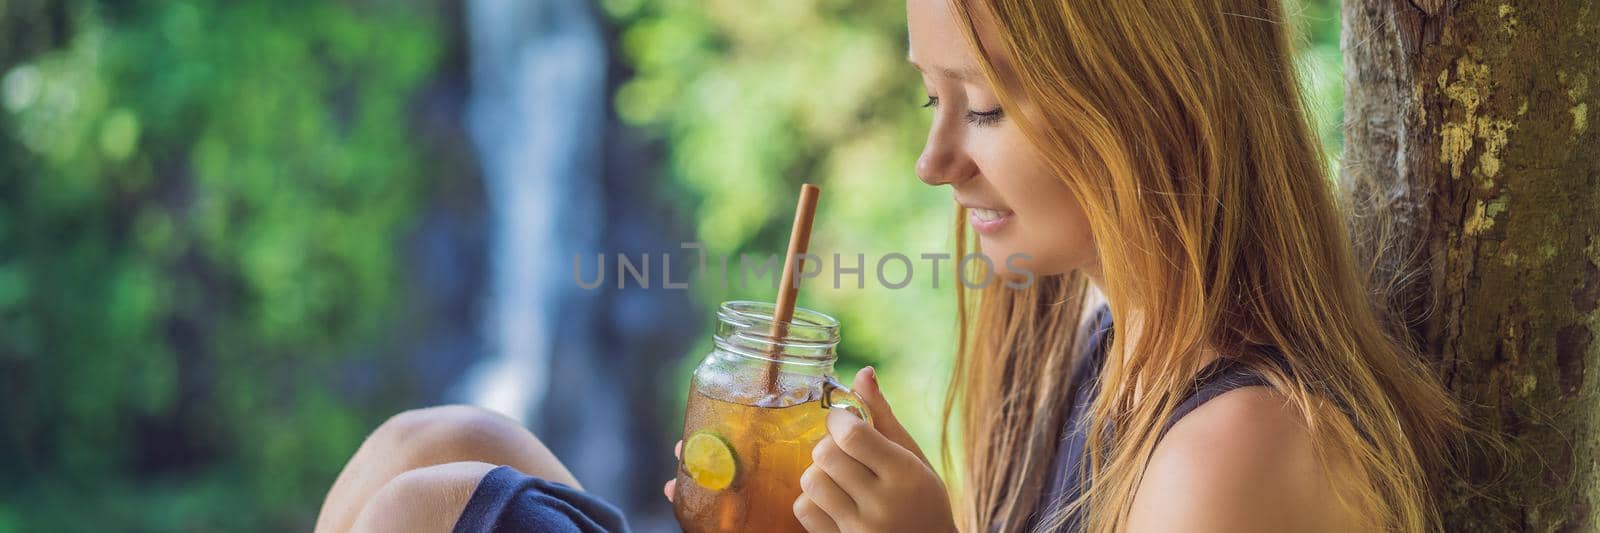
(758, 404)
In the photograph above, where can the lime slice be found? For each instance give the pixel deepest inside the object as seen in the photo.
(709, 461)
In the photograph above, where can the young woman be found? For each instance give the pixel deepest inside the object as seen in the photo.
(1237, 379)
(1153, 155)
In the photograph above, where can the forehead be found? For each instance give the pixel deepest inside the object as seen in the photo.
(938, 44)
(936, 40)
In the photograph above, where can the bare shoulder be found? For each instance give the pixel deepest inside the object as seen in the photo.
(1243, 461)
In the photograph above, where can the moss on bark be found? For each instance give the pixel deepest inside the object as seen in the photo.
(1480, 178)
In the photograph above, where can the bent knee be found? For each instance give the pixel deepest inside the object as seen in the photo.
(454, 433)
(451, 433)
(424, 499)
(443, 419)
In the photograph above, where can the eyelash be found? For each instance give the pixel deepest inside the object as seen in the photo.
(976, 118)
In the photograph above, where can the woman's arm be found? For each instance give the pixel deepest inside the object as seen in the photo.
(1241, 462)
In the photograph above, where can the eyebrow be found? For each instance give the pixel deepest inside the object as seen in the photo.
(962, 74)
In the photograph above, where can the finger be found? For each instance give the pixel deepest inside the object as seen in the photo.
(865, 444)
(844, 469)
(866, 384)
(826, 493)
(813, 517)
(671, 487)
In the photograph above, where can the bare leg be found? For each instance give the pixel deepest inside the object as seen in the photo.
(428, 461)
(425, 499)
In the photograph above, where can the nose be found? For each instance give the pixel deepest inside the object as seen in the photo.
(943, 160)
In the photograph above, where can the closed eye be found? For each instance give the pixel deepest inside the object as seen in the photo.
(976, 118)
(985, 118)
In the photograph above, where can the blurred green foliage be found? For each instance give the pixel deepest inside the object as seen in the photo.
(755, 98)
(199, 211)
(1316, 33)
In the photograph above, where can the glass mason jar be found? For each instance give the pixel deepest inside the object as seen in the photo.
(757, 406)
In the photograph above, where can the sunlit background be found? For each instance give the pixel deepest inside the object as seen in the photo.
(236, 235)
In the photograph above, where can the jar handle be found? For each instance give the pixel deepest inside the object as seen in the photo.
(849, 401)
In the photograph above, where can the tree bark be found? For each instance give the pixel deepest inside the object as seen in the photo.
(1472, 168)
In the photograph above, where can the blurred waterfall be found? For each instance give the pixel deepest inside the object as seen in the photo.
(537, 116)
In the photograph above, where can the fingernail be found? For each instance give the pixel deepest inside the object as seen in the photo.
(872, 374)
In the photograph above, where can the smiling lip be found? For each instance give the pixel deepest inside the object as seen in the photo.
(987, 221)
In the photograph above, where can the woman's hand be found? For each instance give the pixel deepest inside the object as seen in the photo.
(672, 484)
(871, 477)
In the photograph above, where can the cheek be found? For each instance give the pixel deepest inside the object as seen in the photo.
(1054, 232)
(1052, 228)
(1072, 229)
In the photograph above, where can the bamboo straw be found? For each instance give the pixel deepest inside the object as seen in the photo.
(789, 288)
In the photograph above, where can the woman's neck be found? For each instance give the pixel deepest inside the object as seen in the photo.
(1096, 278)
(1131, 326)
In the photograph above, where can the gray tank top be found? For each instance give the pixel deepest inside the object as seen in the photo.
(1064, 482)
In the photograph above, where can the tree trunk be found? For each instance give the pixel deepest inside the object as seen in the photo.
(1472, 173)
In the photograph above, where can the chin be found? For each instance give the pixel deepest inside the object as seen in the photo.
(1017, 262)
(1007, 261)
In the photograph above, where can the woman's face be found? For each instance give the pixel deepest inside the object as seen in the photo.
(1014, 202)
